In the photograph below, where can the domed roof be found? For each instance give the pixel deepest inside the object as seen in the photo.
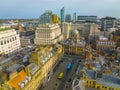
(75, 32)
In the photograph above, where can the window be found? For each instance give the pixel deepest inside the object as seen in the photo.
(15, 38)
(10, 40)
(7, 40)
(1, 42)
(4, 41)
(97, 87)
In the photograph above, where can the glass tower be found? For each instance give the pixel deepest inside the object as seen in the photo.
(62, 15)
(74, 17)
(68, 18)
(45, 17)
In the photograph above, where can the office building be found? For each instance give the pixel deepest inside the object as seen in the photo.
(116, 37)
(68, 18)
(117, 25)
(77, 26)
(48, 17)
(87, 18)
(48, 34)
(66, 30)
(94, 32)
(90, 29)
(45, 17)
(107, 23)
(55, 19)
(99, 81)
(9, 40)
(27, 38)
(74, 17)
(33, 75)
(104, 44)
(62, 15)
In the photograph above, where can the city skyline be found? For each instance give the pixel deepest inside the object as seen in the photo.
(34, 8)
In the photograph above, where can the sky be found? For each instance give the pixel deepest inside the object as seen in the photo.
(10, 9)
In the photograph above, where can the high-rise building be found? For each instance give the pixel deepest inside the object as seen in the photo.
(62, 15)
(107, 23)
(45, 17)
(66, 29)
(90, 29)
(77, 26)
(74, 17)
(9, 40)
(48, 17)
(68, 18)
(55, 19)
(87, 18)
(48, 34)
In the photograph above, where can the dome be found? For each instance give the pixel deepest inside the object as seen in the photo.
(75, 32)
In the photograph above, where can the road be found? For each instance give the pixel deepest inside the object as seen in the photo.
(65, 83)
(68, 84)
(54, 83)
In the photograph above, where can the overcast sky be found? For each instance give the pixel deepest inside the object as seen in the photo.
(34, 8)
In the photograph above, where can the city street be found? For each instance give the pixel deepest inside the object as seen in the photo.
(66, 82)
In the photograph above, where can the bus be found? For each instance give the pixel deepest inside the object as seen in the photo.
(69, 66)
(60, 76)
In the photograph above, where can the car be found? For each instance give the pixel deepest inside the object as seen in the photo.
(60, 76)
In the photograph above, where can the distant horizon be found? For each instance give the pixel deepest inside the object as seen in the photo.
(55, 13)
(99, 17)
(27, 9)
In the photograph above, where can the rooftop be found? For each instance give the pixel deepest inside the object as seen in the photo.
(13, 68)
(5, 29)
(109, 18)
(70, 42)
(99, 81)
(33, 68)
(90, 73)
(104, 79)
(117, 33)
(18, 79)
